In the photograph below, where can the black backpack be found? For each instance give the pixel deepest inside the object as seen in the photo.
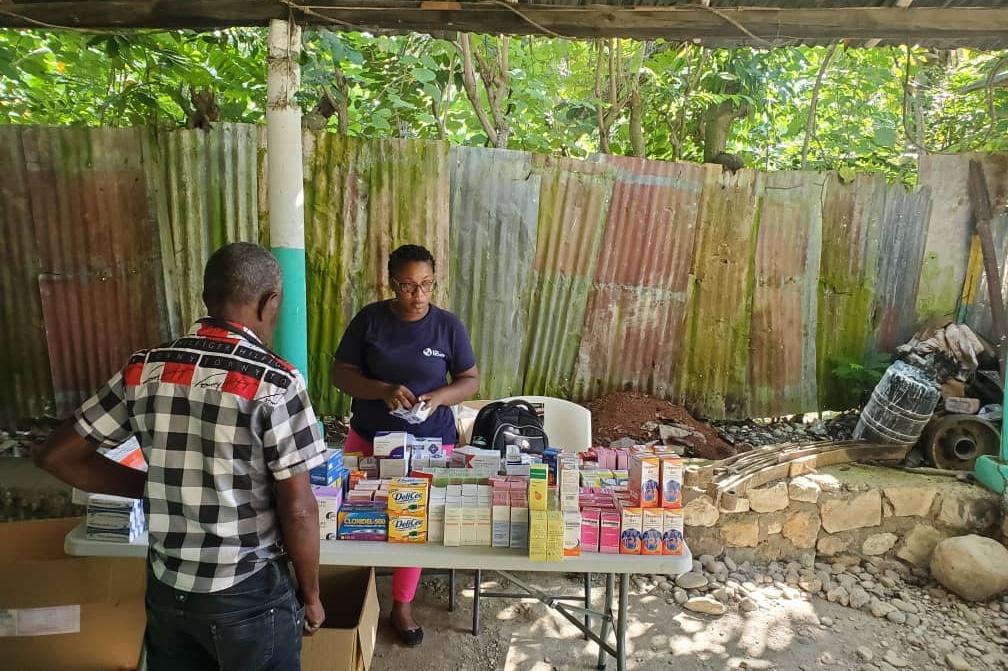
(504, 423)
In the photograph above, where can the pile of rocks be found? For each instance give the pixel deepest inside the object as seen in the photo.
(951, 632)
(757, 433)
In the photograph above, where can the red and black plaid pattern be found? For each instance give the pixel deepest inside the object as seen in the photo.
(220, 418)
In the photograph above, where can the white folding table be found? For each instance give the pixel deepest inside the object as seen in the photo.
(500, 560)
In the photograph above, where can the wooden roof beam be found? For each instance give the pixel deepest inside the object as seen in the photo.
(752, 26)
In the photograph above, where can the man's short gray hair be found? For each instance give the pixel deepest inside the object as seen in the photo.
(240, 273)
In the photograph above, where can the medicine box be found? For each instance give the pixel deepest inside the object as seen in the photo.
(407, 496)
(364, 526)
(572, 533)
(652, 528)
(609, 531)
(644, 480)
(672, 536)
(590, 518)
(393, 444)
(393, 468)
(407, 529)
(329, 472)
(671, 481)
(538, 487)
(630, 530)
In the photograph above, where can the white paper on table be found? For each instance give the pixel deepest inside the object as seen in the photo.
(50, 620)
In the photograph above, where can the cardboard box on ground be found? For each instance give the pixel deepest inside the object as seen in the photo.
(346, 641)
(61, 613)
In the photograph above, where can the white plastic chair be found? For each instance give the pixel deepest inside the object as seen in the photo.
(567, 424)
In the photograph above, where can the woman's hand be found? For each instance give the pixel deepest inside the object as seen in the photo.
(399, 396)
(433, 400)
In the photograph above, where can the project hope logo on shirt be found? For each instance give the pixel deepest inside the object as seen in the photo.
(428, 351)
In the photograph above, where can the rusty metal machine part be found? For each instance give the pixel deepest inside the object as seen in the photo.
(955, 441)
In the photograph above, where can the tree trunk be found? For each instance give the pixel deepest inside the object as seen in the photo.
(717, 124)
(814, 105)
(495, 82)
(636, 130)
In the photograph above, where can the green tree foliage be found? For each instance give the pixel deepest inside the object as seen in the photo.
(877, 109)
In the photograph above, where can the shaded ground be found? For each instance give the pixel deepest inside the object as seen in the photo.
(785, 634)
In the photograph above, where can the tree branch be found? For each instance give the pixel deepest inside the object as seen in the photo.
(810, 121)
(469, 82)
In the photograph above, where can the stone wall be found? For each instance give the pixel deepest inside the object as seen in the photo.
(864, 511)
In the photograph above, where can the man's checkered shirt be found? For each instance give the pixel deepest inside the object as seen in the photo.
(219, 418)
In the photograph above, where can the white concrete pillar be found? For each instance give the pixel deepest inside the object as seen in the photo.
(285, 188)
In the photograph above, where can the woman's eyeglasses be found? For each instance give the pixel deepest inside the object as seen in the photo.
(412, 287)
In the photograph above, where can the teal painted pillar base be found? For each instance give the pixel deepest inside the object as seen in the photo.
(992, 473)
(291, 337)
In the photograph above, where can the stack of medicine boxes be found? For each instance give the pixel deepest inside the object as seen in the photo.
(546, 521)
(330, 472)
(654, 513)
(510, 511)
(114, 518)
(468, 515)
(327, 486)
(407, 510)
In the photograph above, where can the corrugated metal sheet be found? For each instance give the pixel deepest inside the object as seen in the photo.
(24, 358)
(205, 187)
(364, 198)
(97, 256)
(715, 364)
(850, 251)
(637, 309)
(902, 231)
(732, 293)
(950, 228)
(950, 225)
(782, 336)
(996, 171)
(573, 207)
(494, 218)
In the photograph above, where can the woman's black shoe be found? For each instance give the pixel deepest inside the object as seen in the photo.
(410, 637)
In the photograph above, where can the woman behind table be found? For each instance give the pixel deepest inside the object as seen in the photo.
(394, 354)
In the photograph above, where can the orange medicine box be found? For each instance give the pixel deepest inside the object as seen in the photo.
(644, 480)
(630, 530)
(671, 481)
(652, 527)
(672, 536)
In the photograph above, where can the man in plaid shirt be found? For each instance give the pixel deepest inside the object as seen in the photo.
(229, 436)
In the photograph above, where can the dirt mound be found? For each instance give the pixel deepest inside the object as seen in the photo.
(639, 416)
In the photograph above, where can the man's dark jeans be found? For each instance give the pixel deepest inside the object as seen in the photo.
(254, 626)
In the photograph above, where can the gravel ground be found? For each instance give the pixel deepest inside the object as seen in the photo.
(777, 616)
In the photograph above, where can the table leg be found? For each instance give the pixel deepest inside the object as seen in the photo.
(607, 611)
(621, 621)
(451, 590)
(587, 601)
(477, 581)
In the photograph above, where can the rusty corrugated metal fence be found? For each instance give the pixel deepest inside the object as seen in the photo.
(732, 293)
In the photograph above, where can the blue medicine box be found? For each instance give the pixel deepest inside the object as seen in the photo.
(330, 471)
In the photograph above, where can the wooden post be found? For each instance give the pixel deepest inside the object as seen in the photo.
(982, 213)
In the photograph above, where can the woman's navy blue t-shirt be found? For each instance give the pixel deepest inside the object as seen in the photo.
(419, 355)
